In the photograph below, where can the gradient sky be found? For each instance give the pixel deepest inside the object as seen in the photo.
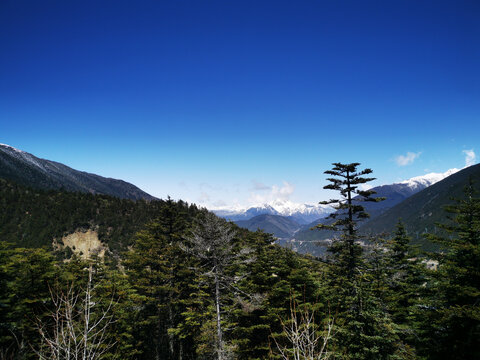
(232, 102)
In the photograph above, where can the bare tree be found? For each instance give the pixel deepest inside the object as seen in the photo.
(212, 242)
(303, 340)
(79, 326)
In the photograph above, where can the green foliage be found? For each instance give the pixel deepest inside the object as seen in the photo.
(454, 316)
(363, 328)
(384, 303)
(33, 218)
(25, 277)
(346, 181)
(161, 273)
(274, 276)
(405, 275)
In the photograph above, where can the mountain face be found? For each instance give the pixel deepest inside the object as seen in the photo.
(423, 210)
(279, 226)
(299, 213)
(309, 215)
(28, 170)
(305, 240)
(283, 216)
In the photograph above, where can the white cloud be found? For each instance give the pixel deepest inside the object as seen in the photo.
(365, 187)
(470, 157)
(276, 193)
(284, 191)
(403, 160)
(259, 186)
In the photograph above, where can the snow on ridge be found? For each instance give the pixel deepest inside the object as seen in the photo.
(428, 179)
(24, 156)
(282, 207)
(12, 148)
(289, 208)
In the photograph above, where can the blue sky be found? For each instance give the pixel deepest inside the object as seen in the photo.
(223, 102)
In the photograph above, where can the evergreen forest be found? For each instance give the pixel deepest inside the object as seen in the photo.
(179, 283)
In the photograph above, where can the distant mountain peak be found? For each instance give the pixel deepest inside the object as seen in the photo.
(429, 179)
(301, 213)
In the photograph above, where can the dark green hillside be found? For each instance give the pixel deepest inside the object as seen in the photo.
(422, 211)
(32, 218)
(192, 286)
(163, 297)
(279, 226)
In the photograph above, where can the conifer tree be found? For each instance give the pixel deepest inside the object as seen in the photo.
(399, 275)
(405, 274)
(25, 277)
(346, 251)
(363, 328)
(455, 321)
(349, 212)
(275, 275)
(171, 225)
(159, 270)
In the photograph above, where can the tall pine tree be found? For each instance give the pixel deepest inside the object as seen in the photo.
(363, 328)
(349, 211)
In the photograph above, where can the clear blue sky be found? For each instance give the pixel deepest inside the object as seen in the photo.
(210, 100)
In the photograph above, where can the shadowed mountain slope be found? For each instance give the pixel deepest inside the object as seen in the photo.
(422, 211)
(26, 169)
(279, 226)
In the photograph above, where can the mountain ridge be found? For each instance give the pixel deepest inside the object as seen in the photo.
(279, 226)
(28, 170)
(423, 210)
(300, 213)
(303, 238)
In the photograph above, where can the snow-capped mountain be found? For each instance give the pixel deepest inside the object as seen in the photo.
(423, 181)
(309, 213)
(301, 213)
(394, 194)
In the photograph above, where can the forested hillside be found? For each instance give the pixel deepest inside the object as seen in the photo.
(33, 218)
(189, 285)
(163, 305)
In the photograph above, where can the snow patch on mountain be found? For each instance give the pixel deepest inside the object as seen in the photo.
(426, 180)
(23, 156)
(307, 213)
(302, 213)
(12, 148)
(289, 208)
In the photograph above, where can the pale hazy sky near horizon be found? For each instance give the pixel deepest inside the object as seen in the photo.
(237, 102)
